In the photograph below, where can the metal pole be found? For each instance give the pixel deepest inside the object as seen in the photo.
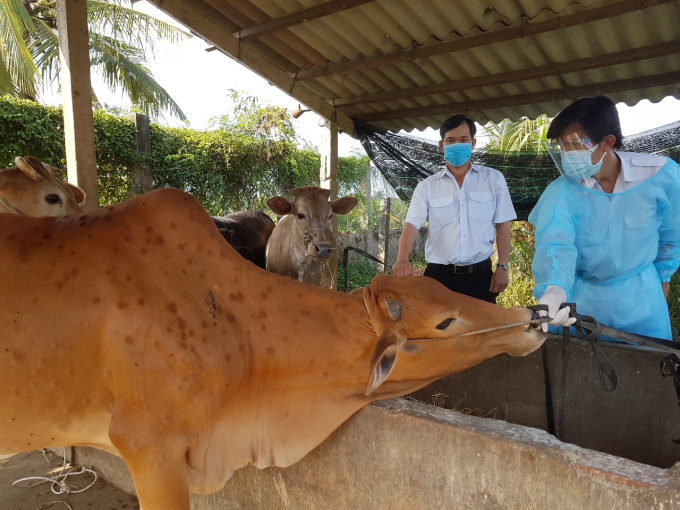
(388, 212)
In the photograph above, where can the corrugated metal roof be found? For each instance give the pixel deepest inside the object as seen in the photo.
(565, 48)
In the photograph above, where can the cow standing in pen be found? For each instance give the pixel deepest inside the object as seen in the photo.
(303, 246)
(187, 361)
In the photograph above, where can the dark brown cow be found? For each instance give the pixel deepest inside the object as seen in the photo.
(248, 232)
(189, 362)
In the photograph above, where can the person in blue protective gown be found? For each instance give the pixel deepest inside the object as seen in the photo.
(608, 229)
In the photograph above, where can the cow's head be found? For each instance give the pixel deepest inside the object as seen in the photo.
(312, 212)
(32, 189)
(422, 333)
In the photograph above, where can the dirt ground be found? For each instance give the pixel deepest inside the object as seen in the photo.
(101, 496)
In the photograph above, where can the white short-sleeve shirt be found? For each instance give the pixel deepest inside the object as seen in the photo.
(461, 219)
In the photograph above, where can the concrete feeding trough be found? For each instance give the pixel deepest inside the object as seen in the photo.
(402, 454)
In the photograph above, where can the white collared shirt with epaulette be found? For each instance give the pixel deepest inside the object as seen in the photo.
(635, 169)
(461, 218)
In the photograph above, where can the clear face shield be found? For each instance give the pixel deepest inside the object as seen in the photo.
(573, 156)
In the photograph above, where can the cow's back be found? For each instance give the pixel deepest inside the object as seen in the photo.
(90, 302)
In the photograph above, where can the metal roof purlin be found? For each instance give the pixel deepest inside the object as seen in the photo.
(523, 99)
(525, 28)
(299, 17)
(584, 64)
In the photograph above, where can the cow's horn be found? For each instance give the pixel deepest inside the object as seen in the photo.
(27, 169)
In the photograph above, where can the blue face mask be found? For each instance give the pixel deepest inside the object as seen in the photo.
(578, 164)
(457, 154)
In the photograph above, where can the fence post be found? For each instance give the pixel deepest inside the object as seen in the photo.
(388, 213)
(328, 175)
(142, 178)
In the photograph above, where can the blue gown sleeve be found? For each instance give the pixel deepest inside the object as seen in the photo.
(556, 255)
(668, 256)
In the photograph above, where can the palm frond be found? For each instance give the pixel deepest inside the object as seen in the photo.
(44, 46)
(6, 83)
(15, 24)
(121, 67)
(524, 135)
(128, 25)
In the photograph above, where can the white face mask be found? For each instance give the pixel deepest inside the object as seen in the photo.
(577, 164)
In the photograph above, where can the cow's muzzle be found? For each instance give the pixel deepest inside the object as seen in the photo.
(320, 250)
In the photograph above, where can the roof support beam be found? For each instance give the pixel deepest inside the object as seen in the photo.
(659, 50)
(642, 82)
(298, 17)
(213, 27)
(524, 29)
(76, 92)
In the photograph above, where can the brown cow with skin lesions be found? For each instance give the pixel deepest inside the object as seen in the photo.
(190, 362)
(303, 246)
(31, 189)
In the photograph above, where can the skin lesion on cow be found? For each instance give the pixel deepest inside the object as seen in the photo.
(304, 246)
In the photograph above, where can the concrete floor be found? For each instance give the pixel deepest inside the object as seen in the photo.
(101, 496)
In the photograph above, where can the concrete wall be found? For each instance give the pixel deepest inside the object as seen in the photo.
(404, 455)
(639, 420)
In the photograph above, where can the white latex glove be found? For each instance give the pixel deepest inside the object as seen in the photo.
(554, 296)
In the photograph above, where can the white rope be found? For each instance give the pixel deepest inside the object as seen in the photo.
(10, 207)
(487, 330)
(59, 482)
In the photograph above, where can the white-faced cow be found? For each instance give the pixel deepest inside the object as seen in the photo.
(32, 189)
(248, 232)
(303, 245)
(189, 362)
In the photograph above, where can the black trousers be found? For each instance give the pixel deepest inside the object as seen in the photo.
(475, 285)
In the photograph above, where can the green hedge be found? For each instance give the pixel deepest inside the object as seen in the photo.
(227, 170)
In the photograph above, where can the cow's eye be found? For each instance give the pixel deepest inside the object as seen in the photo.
(301, 216)
(53, 199)
(445, 323)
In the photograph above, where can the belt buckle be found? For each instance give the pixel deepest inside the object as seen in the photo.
(460, 269)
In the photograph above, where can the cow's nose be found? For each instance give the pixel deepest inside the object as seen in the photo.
(322, 251)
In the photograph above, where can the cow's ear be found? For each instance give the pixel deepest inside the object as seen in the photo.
(344, 205)
(23, 165)
(384, 358)
(78, 193)
(280, 206)
(54, 171)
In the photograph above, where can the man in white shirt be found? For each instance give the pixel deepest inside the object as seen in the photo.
(463, 203)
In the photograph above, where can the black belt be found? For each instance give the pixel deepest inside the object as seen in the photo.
(462, 269)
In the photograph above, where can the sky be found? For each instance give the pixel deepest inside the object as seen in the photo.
(199, 82)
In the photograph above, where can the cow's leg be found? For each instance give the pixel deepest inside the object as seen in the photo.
(157, 462)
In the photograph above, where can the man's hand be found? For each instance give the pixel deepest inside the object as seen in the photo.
(499, 281)
(402, 268)
(665, 286)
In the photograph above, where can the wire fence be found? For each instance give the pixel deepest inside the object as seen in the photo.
(380, 235)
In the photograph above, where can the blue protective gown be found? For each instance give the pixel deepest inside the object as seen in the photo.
(610, 252)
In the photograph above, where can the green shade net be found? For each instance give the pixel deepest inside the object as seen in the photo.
(405, 160)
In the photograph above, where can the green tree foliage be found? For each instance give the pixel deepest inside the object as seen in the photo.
(121, 41)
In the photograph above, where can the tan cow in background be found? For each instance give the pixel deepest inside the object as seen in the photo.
(32, 189)
(303, 246)
(189, 362)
